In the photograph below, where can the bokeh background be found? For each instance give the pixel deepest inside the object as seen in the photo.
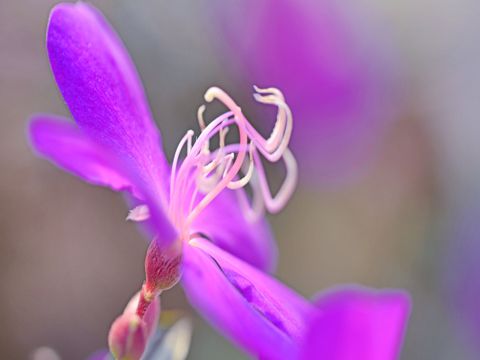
(408, 216)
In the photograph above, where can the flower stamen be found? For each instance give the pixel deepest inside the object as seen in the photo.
(205, 173)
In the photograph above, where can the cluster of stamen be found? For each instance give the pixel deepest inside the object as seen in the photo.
(204, 173)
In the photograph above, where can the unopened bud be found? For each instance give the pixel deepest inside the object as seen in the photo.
(127, 338)
(162, 268)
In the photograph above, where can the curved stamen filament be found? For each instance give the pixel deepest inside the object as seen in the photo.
(237, 184)
(187, 138)
(254, 208)
(275, 96)
(273, 147)
(276, 203)
(201, 120)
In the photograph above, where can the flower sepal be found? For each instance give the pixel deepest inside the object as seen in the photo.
(162, 268)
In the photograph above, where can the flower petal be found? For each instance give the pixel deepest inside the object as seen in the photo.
(68, 147)
(102, 90)
(358, 323)
(228, 228)
(252, 309)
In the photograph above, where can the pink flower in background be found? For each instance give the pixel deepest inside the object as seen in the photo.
(336, 69)
(205, 230)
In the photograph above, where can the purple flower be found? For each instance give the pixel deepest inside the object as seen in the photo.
(334, 67)
(205, 231)
(115, 142)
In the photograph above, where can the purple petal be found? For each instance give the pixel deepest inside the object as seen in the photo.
(358, 323)
(227, 227)
(252, 309)
(68, 147)
(102, 90)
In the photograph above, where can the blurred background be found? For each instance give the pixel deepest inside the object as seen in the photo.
(385, 97)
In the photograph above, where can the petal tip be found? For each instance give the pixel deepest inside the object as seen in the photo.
(64, 17)
(38, 126)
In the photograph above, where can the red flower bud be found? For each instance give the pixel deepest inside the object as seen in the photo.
(127, 338)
